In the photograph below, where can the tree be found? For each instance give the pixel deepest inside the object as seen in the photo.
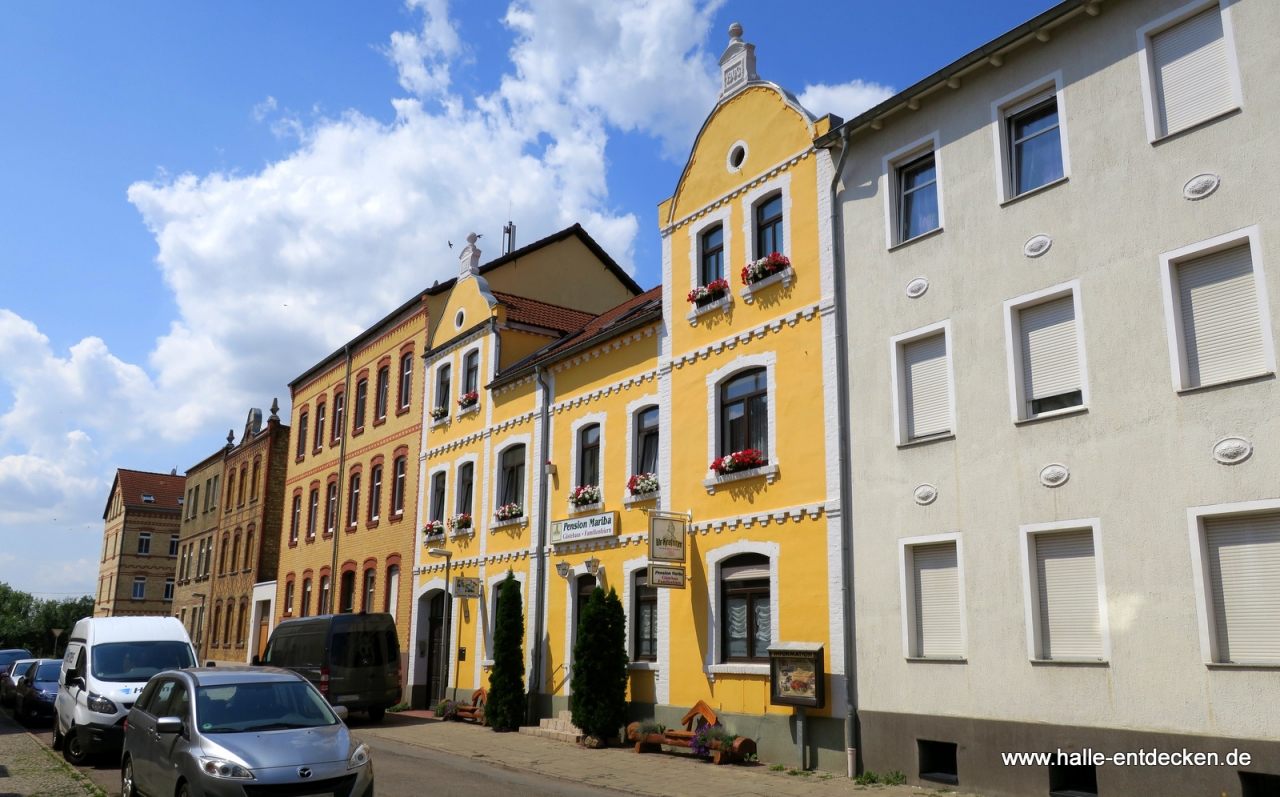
(506, 703)
(599, 683)
(26, 622)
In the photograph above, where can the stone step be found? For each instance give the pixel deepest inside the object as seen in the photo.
(554, 735)
(566, 715)
(560, 725)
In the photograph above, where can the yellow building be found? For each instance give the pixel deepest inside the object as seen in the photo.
(664, 390)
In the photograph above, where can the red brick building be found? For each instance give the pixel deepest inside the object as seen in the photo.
(140, 544)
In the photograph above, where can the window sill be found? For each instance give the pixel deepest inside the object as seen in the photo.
(650, 666)
(1070, 663)
(402, 410)
(293, 543)
(1045, 416)
(1238, 380)
(317, 450)
(1228, 665)
(359, 430)
(1194, 125)
(467, 411)
(939, 659)
(924, 441)
(737, 669)
(372, 524)
(578, 509)
(784, 276)
(920, 237)
(714, 482)
(396, 517)
(632, 499)
(441, 421)
(1037, 190)
(486, 662)
(379, 421)
(521, 521)
(722, 304)
(460, 534)
(351, 529)
(310, 539)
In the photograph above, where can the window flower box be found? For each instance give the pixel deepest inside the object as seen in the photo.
(643, 485)
(508, 512)
(704, 295)
(764, 268)
(433, 528)
(585, 495)
(747, 459)
(439, 413)
(468, 400)
(460, 522)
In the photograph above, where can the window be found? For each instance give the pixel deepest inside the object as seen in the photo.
(370, 581)
(248, 551)
(466, 482)
(375, 492)
(347, 597)
(586, 584)
(139, 588)
(331, 508)
(226, 629)
(1218, 327)
(443, 377)
(747, 628)
(931, 599)
(1064, 593)
(243, 481)
(744, 413)
(437, 496)
(339, 414)
(208, 494)
(397, 486)
(190, 505)
(380, 401)
(922, 382)
(1188, 70)
(712, 260)
(391, 601)
(288, 598)
(589, 456)
(938, 761)
(406, 379)
(353, 499)
(512, 476)
(471, 372)
(240, 624)
(173, 544)
(645, 623)
(1244, 586)
(322, 602)
(295, 521)
(313, 514)
(213, 497)
(319, 426)
(769, 226)
(217, 625)
(362, 400)
(253, 482)
(1035, 145)
(305, 610)
(917, 197)
(144, 543)
(235, 553)
(1047, 352)
(302, 434)
(647, 440)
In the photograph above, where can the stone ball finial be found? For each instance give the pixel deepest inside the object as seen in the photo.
(735, 30)
(472, 237)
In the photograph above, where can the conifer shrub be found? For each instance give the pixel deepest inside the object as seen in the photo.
(505, 707)
(599, 683)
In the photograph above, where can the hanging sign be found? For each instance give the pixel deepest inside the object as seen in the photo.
(667, 537)
(795, 675)
(466, 587)
(587, 527)
(667, 576)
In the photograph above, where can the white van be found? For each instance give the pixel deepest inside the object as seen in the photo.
(108, 661)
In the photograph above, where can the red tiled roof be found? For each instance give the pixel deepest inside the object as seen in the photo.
(166, 489)
(540, 314)
(599, 326)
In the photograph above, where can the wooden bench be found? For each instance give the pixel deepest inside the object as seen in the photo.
(701, 714)
(700, 711)
(475, 711)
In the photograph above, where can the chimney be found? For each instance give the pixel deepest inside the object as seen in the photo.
(470, 258)
(738, 64)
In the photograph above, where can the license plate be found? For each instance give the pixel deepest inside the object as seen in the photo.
(341, 699)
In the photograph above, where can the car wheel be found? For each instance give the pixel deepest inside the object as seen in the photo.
(126, 779)
(72, 750)
(56, 743)
(183, 790)
(376, 715)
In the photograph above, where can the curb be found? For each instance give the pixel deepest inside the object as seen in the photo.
(89, 786)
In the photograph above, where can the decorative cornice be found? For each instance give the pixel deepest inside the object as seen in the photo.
(616, 387)
(790, 319)
(764, 176)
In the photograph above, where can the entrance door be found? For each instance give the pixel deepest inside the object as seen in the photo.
(435, 645)
(263, 633)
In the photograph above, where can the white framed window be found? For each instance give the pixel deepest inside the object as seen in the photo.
(1065, 593)
(913, 192)
(168, 589)
(709, 247)
(1044, 345)
(173, 545)
(923, 385)
(644, 434)
(1189, 69)
(766, 219)
(718, 433)
(1030, 138)
(932, 591)
(139, 588)
(509, 479)
(718, 610)
(1216, 316)
(1235, 553)
(144, 543)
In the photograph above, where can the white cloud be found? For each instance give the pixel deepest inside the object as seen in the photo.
(846, 100)
(263, 108)
(423, 58)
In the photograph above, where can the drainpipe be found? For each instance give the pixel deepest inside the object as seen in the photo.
(535, 675)
(339, 525)
(851, 730)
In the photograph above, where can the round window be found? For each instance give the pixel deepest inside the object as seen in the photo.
(459, 318)
(737, 156)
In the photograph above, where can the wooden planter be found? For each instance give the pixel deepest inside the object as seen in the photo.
(649, 743)
(732, 753)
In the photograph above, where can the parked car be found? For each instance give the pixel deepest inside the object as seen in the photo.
(12, 672)
(37, 690)
(240, 731)
(353, 659)
(108, 662)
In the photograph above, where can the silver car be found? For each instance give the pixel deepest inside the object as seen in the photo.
(242, 732)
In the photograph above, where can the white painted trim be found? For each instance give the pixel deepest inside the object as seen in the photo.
(629, 568)
(1173, 310)
(575, 428)
(440, 365)
(495, 474)
(766, 359)
(906, 577)
(476, 477)
(1012, 103)
(571, 611)
(1013, 346)
(444, 468)
(897, 367)
(418, 672)
(713, 559)
(891, 188)
(633, 409)
(1196, 516)
(752, 197)
(489, 609)
(1031, 585)
(746, 153)
(1146, 63)
(695, 230)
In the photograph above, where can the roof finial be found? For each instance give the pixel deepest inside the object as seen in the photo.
(275, 410)
(735, 31)
(470, 257)
(231, 438)
(737, 64)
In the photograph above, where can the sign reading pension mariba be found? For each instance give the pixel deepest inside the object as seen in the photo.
(666, 537)
(588, 527)
(667, 576)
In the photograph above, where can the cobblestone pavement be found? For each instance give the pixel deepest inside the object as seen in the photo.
(30, 769)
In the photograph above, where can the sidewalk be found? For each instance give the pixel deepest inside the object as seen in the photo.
(620, 769)
(32, 770)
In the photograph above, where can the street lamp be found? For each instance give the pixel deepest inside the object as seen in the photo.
(593, 566)
(562, 568)
(444, 642)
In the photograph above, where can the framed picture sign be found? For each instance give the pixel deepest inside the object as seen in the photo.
(796, 676)
(667, 536)
(466, 587)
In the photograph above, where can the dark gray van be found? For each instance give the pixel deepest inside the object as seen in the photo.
(353, 659)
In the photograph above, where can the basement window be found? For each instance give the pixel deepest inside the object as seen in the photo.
(1073, 781)
(1258, 784)
(938, 761)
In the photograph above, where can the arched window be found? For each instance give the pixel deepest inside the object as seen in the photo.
(331, 508)
(222, 557)
(586, 584)
(339, 414)
(375, 492)
(235, 554)
(226, 628)
(406, 379)
(248, 550)
(712, 256)
(391, 601)
(217, 625)
(769, 226)
(646, 441)
(512, 484)
(645, 618)
(322, 602)
(295, 521)
(380, 401)
(347, 597)
(313, 514)
(240, 625)
(471, 372)
(288, 598)
(398, 485)
(466, 482)
(253, 483)
(244, 477)
(589, 455)
(744, 413)
(231, 487)
(305, 609)
(303, 417)
(443, 380)
(319, 441)
(370, 581)
(437, 496)
(362, 402)
(353, 499)
(744, 588)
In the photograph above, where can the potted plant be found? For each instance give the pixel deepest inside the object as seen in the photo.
(508, 512)
(764, 268)
(585, 495)
(447, 710)
(643, 484)
(720, 745)
(647, 734)
(706, 294)
(738, 461)
(432, 528)
(439, 413)
(460, 522)
(468, 400)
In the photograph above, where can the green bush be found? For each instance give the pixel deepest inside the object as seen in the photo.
(867, 778)
(505, 708)
(646, 727)
(398, 707)
(894, 778)
(599, 683)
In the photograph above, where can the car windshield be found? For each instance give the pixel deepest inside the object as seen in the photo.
(8, 657)
(48, 671)
(261, 706)
(138, 661)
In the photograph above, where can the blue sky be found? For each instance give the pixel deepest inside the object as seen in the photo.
(194, 195)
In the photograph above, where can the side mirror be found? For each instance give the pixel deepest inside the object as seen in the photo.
(341, 711)
(169, 725)
(256, 662)
(71, 676)
(211, 663)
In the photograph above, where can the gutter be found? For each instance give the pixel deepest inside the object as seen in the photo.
(536, 683)
(339, 526)
(851, 728)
